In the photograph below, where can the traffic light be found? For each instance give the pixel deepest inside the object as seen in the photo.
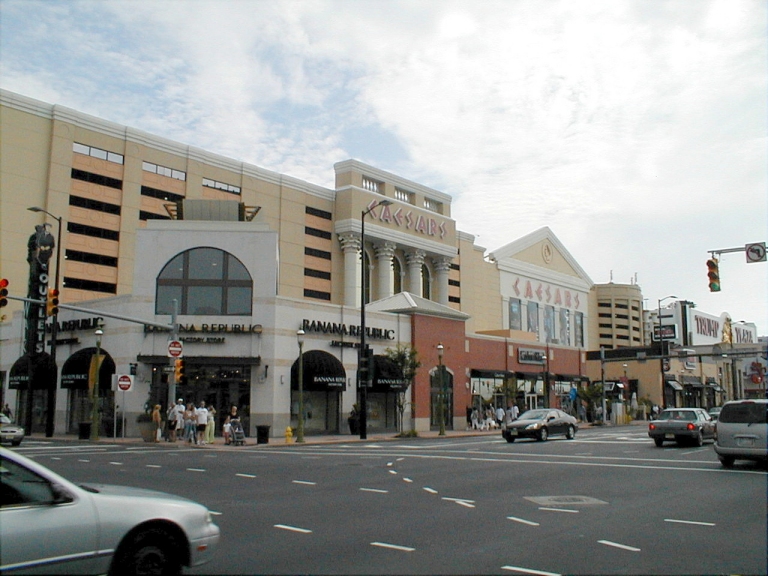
(713, 272)
(3, 292)
(52, 303)
(180, 371)
(366, 366)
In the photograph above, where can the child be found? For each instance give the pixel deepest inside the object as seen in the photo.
(227, 429)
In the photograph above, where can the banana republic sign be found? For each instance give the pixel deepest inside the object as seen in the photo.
(351, 330)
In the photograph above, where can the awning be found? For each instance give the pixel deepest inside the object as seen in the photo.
(76, 370)
(40, 368)
(322, 372)
(387, 376)
(495, 374)
(672, 383)
(692, 381)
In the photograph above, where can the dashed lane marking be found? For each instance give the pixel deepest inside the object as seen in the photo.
(430, 490)
(153, 466)
(529, 571)
(245, 475)
(305, 482)
(293, 529)
(694, 523)
(195, 469)
(559, 510)
(617, 545)
(393, 546)
(376, 490)
(521, 521)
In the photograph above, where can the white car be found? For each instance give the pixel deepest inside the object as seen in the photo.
(50, 526)
(9, 431)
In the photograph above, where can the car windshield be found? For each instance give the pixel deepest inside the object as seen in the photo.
(534, 415)
(677, 415)
(745, 413)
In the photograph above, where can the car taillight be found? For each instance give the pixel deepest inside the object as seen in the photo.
(691, 426)
(651, 426)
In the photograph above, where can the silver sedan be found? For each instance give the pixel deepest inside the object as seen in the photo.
(49, 525)
(10, 432)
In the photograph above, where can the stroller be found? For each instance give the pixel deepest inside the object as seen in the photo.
(237, 432)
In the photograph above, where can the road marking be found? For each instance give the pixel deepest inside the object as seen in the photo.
(521, 521)
(293, 529)
(400, 459)
(559, 510)
(692, 452)
(214, 513)
(55, 458)
(153, 466)
(529, 571)
(393, 471)
(374, 490)
(458, 499)
(81, 460)
(617, 545)
(390, 464)
(465, 504)
(393, 546)
(246, 475)
(195, 469)
(407, 480)
(305, 482)
(689, 522)
(116, 463)
(430, 490)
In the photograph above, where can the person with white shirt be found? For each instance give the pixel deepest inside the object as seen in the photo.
(201, 414)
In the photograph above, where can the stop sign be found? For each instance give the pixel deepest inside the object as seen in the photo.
(175, 349)
(124, 382)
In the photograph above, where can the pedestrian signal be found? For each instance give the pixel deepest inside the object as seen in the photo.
(3, 292)
(52, 303)
(713, 273)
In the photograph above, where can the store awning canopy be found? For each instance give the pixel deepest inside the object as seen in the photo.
(40, 368)
(322, 372)
(76, 371)
(692, 381)
(387, 376)
(672, 383)
(495, 374)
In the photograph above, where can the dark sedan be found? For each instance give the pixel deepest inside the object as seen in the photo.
(693, 425)
(541, 424)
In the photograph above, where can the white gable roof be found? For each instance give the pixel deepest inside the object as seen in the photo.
(407, 303)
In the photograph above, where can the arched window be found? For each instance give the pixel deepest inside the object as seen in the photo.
(206, 282)
(426, 282)
(397, 276)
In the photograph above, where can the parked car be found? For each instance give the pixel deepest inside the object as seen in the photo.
(714, 412)
(541, 424)
(50, 525)
(742, 431)
(10, 432)
(682, 425)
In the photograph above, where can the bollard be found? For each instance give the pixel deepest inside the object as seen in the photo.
(288, 435)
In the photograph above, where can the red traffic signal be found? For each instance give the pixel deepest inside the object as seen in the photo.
(713, 273)
(4, 292)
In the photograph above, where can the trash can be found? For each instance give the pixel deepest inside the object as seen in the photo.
(84, 431)
(262, 434)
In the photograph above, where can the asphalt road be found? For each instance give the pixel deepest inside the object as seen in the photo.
(608, 502)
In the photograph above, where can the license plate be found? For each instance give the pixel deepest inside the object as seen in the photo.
(513, 432)
(669, 436)
(745, 442)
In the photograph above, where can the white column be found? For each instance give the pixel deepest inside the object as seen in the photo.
(350, 245)
(384, 253)
(415, 260)
(442, 265)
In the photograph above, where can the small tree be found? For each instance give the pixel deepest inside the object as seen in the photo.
(593, 394)
(407, 359)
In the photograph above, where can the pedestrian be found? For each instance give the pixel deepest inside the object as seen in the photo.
(201, 417)
(175, 420)
(512, 413)
(158, 422)
(7, 411)
(210, 426)
(469, 417)
(475, 419)
(500, 415)
(189, 423)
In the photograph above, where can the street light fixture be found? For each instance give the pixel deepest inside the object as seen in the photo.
(300, 426)
(363, 375)
(661, 353)
(50, 419)
(441, 383)
(95, 388)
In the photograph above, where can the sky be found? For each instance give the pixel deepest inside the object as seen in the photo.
(635, 130)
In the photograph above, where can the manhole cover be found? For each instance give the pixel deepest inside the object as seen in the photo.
(564, 500)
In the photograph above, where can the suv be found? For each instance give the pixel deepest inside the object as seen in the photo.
(742, 431)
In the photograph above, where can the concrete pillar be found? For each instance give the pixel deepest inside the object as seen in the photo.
(350, 245)
(442, 265)
(384, 253)
(415, 260)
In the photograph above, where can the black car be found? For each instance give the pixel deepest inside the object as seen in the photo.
(541, 424)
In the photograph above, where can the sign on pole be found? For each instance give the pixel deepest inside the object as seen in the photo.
(755, 252)
(175, 349)
(124, 382)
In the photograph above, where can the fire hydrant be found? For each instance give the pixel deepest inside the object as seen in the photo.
(288, 435)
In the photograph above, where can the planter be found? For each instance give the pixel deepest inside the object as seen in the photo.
(147, 431)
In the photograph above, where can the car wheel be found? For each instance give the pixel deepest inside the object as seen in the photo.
(659, 442)
(698, 440)
(152, 551)
(543, 435)
(571, 434)
(16, 443)
(510, 439)
(727, 461)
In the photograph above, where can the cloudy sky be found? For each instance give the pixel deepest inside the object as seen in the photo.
(635, 130)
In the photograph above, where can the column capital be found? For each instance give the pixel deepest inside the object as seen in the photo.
(350, 242)
(385, 250)
(415, 257)
(442, 263)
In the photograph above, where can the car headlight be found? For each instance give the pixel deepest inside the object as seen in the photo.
(532, 426)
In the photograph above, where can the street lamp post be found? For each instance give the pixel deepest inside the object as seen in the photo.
(661, 354)
(300, 427)
(50, 420)
(363, 375)
(95, 389)
(441, 383)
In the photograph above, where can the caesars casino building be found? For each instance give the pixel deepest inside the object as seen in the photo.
(252, 256)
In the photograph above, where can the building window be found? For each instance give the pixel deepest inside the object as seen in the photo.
(319, 213)
(164, 171)
(533, 318)
(433, 205)
(373, 185)
(96, 205)
(93, 231)
(404, 195)
(578, 329)
(205, 282)
(309, 231)
(324, 254)
(160, 194)
(515, 314)
(96, 179)
(89, 258)
(97, 153)
(426, 282)
(90, 285)
(208, 183)
(317, 294)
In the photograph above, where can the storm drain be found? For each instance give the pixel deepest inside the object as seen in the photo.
(564, 500)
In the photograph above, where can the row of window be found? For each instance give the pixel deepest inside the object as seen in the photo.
(98, 153)
(164, 171)
(208, 183)
(571, 324)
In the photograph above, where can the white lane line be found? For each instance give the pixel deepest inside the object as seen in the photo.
(82, 460)
(521, 521)
(400, 459)
(393, 471)
(529, 571)
(465, 504)
(407, 480)
(390, 464)
(430, 490)
(305, 482)
(393, 546)
(560, 510)
(617, 545)
(195, 469)
(55, 458)
(376, 490)
(246, 475)
(293, 529)
(689, 522)
(153, 466)
(697, 451)
(116, 463)
(458, 499)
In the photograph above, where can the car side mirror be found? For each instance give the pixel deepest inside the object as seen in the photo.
(60, 495)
